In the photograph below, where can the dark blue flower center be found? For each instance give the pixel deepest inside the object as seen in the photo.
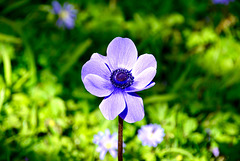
(121, 78)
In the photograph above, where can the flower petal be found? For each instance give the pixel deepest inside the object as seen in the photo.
(97, 85)
(100, 57)
(113, 153)
(98, 137)
(97, 67)
(113, 105)
(144, 78)
(134, 110)
(122, 53)
(143, 62)
(56, 7)
(102, 154)
(107, 133)
(132, 89)
(60, 23)
(69, 23)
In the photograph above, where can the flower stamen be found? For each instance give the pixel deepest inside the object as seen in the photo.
(121, 78)
(64, 14)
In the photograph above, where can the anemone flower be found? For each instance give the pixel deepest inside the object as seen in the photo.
(117, 77)
(151, 134)
(66, 14)
(106, 143)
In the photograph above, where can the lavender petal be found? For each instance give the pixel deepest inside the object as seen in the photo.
(113, 153)
(132, 89)
(122, 53)
(97, 67)
(144, 78)
(60, 23)
(143, 62)
(56, 7)
(69, 23)
(113, 105)
(134, 110)
(97, 85)
(102, 154)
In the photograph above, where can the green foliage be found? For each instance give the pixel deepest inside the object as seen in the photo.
(46, 114)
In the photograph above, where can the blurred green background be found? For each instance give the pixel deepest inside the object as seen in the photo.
(47, 115)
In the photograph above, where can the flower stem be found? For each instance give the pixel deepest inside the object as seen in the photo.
(120, 138)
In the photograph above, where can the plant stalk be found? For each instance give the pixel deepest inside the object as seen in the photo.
(120, 138)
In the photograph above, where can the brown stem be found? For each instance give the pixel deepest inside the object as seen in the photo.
(120, 138)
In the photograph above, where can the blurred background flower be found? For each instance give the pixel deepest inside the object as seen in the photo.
(226, 2)
(66, 14)
(106, 143)
(215, 151)
(151, 134)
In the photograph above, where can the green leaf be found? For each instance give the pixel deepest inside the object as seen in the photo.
(75, 55)
(6, 50)
(197, 137)
(10, 39)
(189, 126)
(14, 6)
(231, 129)
(33, 117)
(181, 151)
(160, 98)
(2, 96)
(58, 108)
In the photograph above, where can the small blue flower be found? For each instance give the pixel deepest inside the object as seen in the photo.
(151, 134)
(225, 2)
(215, 151)
(66, 14)
(117, 77)
(106, 143)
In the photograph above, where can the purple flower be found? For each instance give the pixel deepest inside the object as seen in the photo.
(151, 134)
(117, 76)
(215, 151)
(106, 143)
(66, 14)
(225, 2)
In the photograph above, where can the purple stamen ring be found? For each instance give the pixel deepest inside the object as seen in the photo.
(121, 78)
